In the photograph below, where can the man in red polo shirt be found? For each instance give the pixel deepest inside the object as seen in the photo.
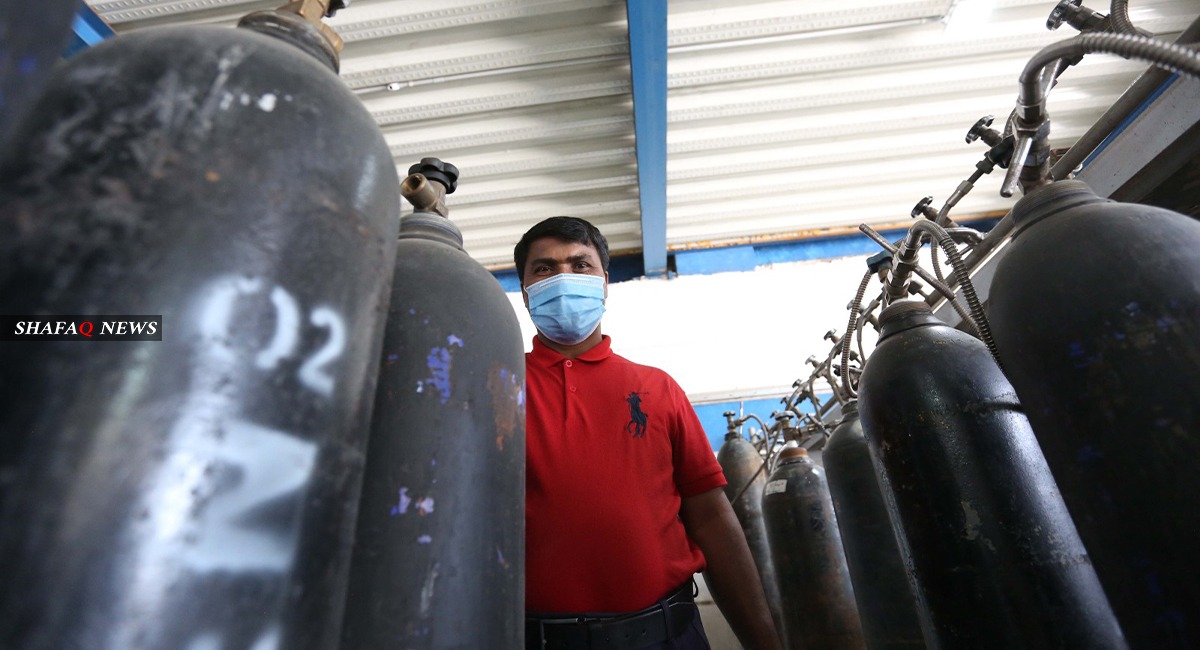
(623, 493)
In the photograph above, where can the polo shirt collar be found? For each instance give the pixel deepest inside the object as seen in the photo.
(543, 355)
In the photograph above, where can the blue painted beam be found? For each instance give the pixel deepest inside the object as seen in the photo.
(89, 29)
(620, 269)
(648, 68)
(745, 257)
(1133, 115)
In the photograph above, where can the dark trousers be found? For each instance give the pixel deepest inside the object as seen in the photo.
(693, 638)
(674, 618)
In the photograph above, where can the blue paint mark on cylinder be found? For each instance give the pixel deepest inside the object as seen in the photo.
(439, 364)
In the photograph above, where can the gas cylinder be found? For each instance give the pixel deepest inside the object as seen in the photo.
(885, 601)
(993, 555)
(1095, 310)
(197, 491)
(32, 39)
(745, 475)
(814, 582)
(439, 551)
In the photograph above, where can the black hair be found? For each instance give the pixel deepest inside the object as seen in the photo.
(568, 229)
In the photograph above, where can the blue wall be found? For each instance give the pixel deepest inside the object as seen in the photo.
(712, 418)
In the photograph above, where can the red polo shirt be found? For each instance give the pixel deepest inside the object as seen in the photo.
(611, 448)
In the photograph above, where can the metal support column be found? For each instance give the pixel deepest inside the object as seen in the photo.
(648, 64)
(88, 29)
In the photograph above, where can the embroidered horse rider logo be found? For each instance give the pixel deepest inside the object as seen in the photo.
(637, 419)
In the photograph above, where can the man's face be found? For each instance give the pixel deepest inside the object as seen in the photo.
(550, 256)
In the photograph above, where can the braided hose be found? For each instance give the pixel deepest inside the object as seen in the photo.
(1177, 59)
(948, 294)
(750, 481)
(854, 307)
(937, 267)
(964, 280)
(939, 285)
(761, 424)
(1118, 13)
(862, 354)
(812, 399)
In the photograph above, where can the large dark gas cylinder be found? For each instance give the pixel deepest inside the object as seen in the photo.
(439, 556)
(881, 587)
(818, 601)
(1096, 313)
(746, 476)
(198, 491)
(994, 557)
(33, 36)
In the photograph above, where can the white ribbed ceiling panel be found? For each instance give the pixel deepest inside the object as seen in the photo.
(784, 118)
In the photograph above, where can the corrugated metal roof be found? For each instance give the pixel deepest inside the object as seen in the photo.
(783, 117)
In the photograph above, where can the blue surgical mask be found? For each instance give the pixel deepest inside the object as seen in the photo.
(567, 308)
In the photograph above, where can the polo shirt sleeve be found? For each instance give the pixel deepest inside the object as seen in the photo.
(696, 467)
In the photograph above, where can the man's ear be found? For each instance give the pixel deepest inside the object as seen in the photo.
(606, 285)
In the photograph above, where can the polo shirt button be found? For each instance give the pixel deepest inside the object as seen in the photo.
(569, 364)
(572, 389)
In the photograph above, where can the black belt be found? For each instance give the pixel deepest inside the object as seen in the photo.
(619, 632)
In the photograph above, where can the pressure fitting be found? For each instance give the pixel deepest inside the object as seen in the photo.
(732, 423)
(925, 208)
(314, 12)
(897, 286)
(904, 264)
(783, 420)
(301, 23)
(980, 130)
(880, 263)
(1077, 16)
(1030, 162)
(427, 185)
(436, 170)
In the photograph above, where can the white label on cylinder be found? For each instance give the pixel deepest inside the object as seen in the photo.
(775, 486)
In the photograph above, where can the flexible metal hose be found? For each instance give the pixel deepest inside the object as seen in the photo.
(858, 333)
(964, 280)
(1169, 56)
(749, 482)
(854, 307)
(948, 294)
(940, 286)
(937, 267)
(1034, 84)
(767, 448)
(1137, 93)
(961, 311)
(1118, 13)
(765, 429)
(812, 399)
